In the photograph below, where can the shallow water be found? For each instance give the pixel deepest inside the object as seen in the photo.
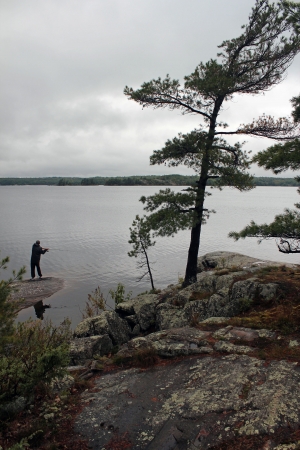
(87, 230)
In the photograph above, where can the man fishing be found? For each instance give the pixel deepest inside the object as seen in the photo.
(37, 251)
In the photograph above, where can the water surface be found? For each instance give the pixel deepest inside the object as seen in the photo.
(87, 230)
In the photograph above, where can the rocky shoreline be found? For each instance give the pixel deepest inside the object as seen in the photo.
(29, 292)
(210, 386)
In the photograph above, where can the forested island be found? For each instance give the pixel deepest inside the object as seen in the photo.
(135, 180)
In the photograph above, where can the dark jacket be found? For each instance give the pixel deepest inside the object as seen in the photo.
(37, 251)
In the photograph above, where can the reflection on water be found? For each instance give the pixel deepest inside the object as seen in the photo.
(40, 308)
(87, 231)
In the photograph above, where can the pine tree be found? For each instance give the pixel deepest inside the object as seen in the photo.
(286, 226)
(251, 64)
(140, 238)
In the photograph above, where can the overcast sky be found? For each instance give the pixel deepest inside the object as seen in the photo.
(65, 63)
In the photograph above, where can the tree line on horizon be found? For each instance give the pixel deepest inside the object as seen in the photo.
(135, 180)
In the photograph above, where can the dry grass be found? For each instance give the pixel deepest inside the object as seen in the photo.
(200, 295)
(144, 357)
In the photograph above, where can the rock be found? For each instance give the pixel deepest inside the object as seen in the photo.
(227, 347)
(136, 329)
(78, 369)
(141, 310)
(86, 348)
(206, 282)
(132, 320)
(218, 304)
(226, 281)
(180, 341)
(246, 334)
(145, 310)
(293, 344)
(262, 333)
(215, 320)
(251, 289)
(222, 260)
(107, 323)
(267, 292)
(203, 402)
(170, 343)
(170, 316)
(30, 292)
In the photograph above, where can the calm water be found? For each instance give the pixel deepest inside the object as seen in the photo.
(87, 230)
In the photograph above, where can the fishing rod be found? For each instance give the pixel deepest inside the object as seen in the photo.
(58, 249)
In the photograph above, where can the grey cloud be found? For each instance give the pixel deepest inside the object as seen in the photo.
(65, 64)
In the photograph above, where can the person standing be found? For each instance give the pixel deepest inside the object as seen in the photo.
(37, 251)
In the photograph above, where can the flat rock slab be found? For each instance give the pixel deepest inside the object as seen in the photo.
(192, 404)
(31, 292)
(222, 259)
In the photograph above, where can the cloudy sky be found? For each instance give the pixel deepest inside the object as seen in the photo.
(65, 63)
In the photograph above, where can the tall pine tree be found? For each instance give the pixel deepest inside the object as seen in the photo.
(251, 64)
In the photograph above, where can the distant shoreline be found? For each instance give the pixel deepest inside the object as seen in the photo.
(136, 180)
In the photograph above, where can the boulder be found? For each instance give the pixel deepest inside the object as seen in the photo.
(170, 343)
(215, 320)
(170, 316)
(140, 310)
(251, 289)
(222, 260)
(108, 323)
(246, 334)
(88, 347)
(227, 347)
(206, 282)
(145, 310)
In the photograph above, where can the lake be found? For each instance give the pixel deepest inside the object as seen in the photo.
(87, 230)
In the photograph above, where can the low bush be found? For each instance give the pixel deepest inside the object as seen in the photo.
(118, 295)
(8, 309)
(38, 353)
(145, 357)
(96, 302)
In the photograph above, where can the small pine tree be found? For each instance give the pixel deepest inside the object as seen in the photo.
(140, 238)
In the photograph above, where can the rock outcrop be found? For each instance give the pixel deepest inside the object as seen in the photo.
(29, 292)
(216, 390)
(193, 404)
(226, 286)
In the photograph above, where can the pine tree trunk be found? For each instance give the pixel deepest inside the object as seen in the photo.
(192, 262)
(191, 267)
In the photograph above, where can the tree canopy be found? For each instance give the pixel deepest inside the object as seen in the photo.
(286, 226)
(250, 64)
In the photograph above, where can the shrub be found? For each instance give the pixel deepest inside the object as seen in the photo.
(118, 295)
(38, 353)
(96, 303)
(244, 304)
(8, 309)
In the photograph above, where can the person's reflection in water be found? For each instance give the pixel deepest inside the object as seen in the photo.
(39, 308)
